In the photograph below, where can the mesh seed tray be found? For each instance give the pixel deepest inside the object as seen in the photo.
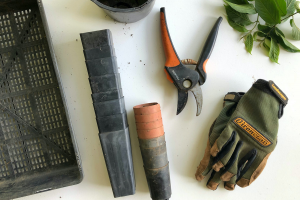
(38, 151)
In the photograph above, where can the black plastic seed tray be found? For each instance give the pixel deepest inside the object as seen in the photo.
(38, 151)
(102, 66)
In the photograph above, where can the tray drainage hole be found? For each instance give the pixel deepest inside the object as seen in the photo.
(44, 190)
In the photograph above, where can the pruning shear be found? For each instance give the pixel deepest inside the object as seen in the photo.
(183, 78)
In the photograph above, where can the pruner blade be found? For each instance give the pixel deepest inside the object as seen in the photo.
(197, 92)
(182, 100)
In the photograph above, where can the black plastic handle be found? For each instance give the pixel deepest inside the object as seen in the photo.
(207, 50)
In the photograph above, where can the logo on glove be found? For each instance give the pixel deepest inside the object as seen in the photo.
(252, 132)
(278, 91)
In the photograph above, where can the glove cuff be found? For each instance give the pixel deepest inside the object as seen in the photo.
(272, 89)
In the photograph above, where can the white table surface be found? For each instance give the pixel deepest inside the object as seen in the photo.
(143, 80)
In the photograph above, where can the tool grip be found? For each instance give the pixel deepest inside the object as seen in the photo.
(207, 50)
(172, 59)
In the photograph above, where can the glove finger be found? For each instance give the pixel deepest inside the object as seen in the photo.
(238, 169)
(226, 175)
(224, 155)
(245, 163)
(205, 164)
(224, 139)
(214, 180)
(256, 169)
(230, 185)
(229, 174)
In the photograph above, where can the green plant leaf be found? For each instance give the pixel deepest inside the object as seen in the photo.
(297, 6)
(268, 11)
(237, 17)
(273, 33)
(249, 43)
(295, 30)
(270, 31)
(281, 5)
(274, 51)
(286, 44)
(258, 33)
(290, 7)
(255, 35)
(274, 36)
(261, 34)
(277, 30)
(245, 8)
(236, 26)
(264, 28)
(239, 2)
(267, 44)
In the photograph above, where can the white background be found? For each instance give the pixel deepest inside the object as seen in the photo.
(143, 80)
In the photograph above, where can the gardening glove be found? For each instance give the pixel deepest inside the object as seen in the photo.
(230, 103)
(244, 146)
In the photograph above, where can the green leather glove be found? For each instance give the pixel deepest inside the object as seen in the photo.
(242, 149)
(230, 103)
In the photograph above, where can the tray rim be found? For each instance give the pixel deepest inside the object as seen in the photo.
(61, 88)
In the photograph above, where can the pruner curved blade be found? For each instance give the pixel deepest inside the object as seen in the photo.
(183, 98)
(197, 92)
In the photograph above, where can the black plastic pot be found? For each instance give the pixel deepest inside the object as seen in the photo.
(126, 11)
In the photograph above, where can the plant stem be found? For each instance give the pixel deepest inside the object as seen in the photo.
(282, 20)
(271, 29)
(268, 34)
(256, 22)
(290, 15)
